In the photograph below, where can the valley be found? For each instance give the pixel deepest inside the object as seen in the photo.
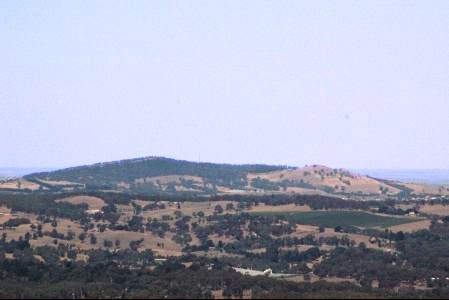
(223, 218)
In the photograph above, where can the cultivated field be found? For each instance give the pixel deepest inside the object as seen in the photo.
(344, 218)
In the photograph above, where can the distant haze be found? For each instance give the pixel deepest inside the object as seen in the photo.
(351, 84)
(419, 176)
(17, 172)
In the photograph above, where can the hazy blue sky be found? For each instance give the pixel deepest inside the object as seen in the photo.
(355, 84)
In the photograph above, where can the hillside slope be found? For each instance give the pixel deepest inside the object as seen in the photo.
(328, 180)
(155, 173)
(159, 175)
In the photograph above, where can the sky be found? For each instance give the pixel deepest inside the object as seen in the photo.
(352, 84)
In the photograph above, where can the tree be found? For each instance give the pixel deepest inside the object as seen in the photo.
(218, 209)
(400, 236)
(39, 230)
(134, 245)
(70, 235)
(178, 214)
(71, 254)
(82, 236)
(93, 239)
(137, 208)
(107, 243)
(220, 244)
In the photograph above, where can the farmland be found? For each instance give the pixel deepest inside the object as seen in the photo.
(343, 218)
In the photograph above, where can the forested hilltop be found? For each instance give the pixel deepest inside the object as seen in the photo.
(163, 176)
(137, 174)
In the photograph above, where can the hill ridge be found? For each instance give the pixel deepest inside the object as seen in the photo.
(157, 174)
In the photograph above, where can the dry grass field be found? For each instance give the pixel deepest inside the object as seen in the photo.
(4, 210)
(218, 294)
(304, 230)
(423, 189)
(410, 227)
(280, 208)
(321, 176)
(92, 202)
(405, 206)
(187, 208)
(57, 183)
(24, 184)
(437, 209)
